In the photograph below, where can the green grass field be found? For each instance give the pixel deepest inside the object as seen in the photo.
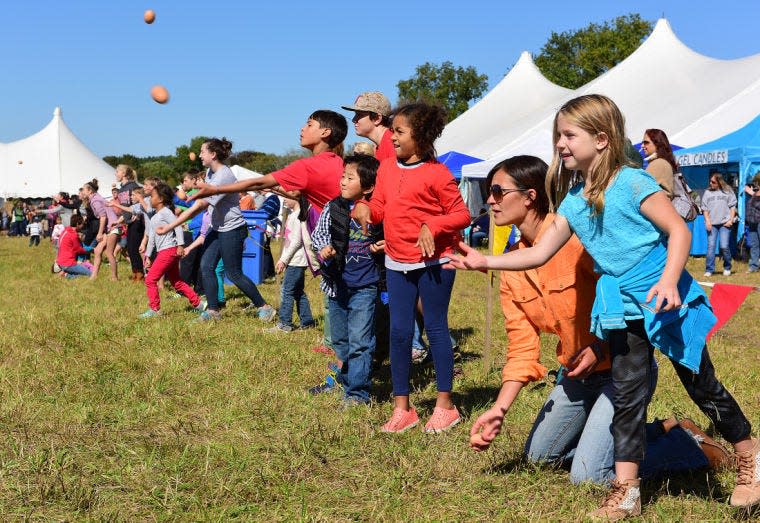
(104, 416)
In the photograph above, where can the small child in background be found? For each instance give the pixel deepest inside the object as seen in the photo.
(34, 230)
(170, 250)
(297, 254)
(349, 278)
(58, 229)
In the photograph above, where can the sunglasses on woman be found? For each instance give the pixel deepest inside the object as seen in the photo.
(497, 192)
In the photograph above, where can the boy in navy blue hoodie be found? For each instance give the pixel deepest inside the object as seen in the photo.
(349, 278)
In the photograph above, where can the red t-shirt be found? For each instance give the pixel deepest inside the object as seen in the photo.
(317, 177)
(385, 148)
(405, 197)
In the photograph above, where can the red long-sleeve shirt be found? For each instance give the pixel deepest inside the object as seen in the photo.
(406, 197)
(68, 248)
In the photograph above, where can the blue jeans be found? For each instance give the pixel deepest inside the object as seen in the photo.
(227, 246)
(292, 291)
(575, 425)
(753, 239)
(725, 251)
(433, 285)
(352, 323)
(72, 271)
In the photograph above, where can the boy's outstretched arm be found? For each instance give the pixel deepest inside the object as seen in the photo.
(252, 184)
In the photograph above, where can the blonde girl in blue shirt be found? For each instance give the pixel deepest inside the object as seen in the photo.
(644, 297)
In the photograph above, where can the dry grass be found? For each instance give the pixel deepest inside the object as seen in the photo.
(107, 417)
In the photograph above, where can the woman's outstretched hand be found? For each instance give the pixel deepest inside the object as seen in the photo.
(469, 260)
(486, 428)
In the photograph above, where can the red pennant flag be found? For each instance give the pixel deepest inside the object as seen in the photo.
(726, 300)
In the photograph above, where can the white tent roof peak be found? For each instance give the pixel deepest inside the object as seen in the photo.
(50, 161)
(663, 84)
(522, 91)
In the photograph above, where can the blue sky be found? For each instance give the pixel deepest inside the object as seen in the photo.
(253, 71)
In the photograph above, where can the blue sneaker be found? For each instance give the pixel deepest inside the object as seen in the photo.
(208, 315)
(150, 313)
(329, 385)
(266, 313)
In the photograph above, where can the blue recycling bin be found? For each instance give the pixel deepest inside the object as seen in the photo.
(253, 248)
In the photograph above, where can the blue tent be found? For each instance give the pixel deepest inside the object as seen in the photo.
(454, 161)
(737, 152)
(470, 189)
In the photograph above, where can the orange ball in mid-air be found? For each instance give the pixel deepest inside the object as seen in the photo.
(149, 16)
(159, 94)
(192, 156)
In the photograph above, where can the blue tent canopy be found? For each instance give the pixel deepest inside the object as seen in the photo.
(454, 161)
(470, 189)
(741, 147)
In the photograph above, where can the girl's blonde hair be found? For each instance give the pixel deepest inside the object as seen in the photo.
(129, 173)
(595, 114)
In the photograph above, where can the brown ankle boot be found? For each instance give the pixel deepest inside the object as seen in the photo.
(747, 490)
(623, 500)
(717, 455)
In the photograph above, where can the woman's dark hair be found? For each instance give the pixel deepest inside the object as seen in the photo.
(221, 147)
(662, 147)
(165, 194)
(303, 208)
(335, 122)
(92, 184)
(76, 220)
(427, 123)
(528, 172)
(366, 168)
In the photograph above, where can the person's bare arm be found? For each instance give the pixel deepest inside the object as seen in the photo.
(252, 184)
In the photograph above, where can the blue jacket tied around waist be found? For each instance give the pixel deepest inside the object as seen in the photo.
(680, 333)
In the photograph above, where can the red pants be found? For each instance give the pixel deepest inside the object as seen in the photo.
(167, 264)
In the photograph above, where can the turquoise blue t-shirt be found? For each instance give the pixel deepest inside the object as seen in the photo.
(620, 237)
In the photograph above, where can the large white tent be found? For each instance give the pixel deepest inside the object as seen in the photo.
(486, 126)
(50, 161)
(663, 84)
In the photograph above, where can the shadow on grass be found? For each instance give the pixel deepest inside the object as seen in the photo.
(698, 483)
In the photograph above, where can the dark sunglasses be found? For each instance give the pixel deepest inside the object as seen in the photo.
(498, 193)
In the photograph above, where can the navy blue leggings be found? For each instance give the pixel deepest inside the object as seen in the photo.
(433, 285)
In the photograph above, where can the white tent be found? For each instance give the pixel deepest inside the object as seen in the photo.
(663, 85)
(50, 161)
(486, 126)
(241, 173)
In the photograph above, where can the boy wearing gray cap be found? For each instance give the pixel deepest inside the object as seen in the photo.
(372, 119)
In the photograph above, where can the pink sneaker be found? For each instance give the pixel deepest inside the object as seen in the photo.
(442, 420)
(401, 421)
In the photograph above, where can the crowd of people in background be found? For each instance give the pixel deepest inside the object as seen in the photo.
(382, 227)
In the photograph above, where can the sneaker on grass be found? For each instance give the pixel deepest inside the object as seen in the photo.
(208, 315)
(150, 313)
(442, 420)
(202, 305)
(329, 385)
(266, 313)
(280, 328)
(401, 421)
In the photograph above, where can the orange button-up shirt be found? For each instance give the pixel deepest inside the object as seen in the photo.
(554, 298)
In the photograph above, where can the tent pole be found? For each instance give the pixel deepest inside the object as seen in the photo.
(487, 359)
